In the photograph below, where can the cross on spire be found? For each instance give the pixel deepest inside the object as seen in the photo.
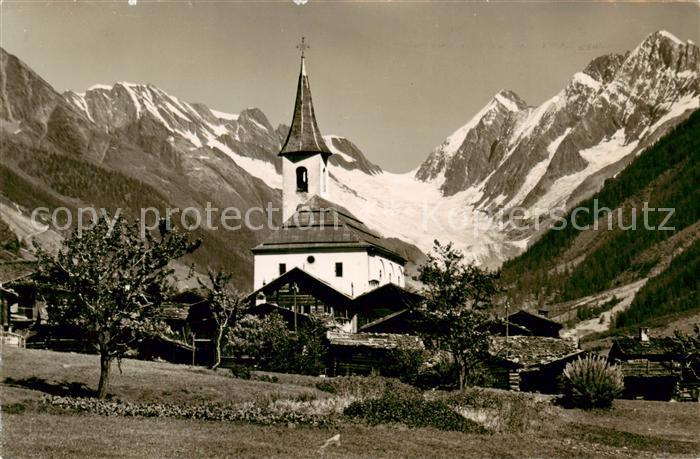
(303, 46)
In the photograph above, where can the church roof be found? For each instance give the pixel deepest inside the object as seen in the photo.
(304, 135)
(321, 224)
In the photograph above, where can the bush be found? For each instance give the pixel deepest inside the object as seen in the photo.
(363, 387)
(405, 363)
(240, 371)
(277, 412)
(591, 383)
(265, 378)
(440, 371)
(276, 348)
(499, 410)
(411, 412)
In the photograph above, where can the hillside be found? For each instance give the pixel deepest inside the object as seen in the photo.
(134, 147)
(572, 263)
(636, 428)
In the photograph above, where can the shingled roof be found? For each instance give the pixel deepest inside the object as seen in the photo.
(304, 135)
(321, 224)
(374, 340)
(531, 351)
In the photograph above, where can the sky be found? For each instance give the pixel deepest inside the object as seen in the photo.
(396, 78)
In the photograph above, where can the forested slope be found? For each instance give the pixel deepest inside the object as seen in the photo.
(571, 263)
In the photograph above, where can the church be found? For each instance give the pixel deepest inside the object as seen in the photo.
(318, 237)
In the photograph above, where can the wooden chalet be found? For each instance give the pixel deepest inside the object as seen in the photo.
(297, 290)
(529, 363)
(365, 353)
(651, 370)
(387, 309)
(19, 307)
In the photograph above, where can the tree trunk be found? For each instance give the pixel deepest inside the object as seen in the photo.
(105, 365)
(462, 374)
(217, 349)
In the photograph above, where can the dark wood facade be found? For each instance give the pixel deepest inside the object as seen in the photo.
(652, 371)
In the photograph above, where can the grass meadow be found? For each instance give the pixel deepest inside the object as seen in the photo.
(519, 425)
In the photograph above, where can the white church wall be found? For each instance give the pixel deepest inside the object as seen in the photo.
(354, 280)
(383, 271)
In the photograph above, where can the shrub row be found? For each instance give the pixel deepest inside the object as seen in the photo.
(247, 412)
(363, 387)
(411, 412)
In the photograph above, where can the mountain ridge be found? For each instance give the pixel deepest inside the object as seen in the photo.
(509, 154)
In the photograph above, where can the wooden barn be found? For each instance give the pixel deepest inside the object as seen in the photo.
(387, 309)
(365, 353)
(19, 307)
(651, 370)
(529, 363)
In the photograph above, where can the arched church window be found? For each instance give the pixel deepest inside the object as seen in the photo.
(302, 180)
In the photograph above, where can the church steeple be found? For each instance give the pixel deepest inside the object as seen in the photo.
(304, 135)
(304, 153)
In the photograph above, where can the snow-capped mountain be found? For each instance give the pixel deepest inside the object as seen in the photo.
(247, 138)
(509, 154)
(134, 146)
(559, 152)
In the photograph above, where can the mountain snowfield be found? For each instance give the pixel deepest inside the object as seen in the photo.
(508, 155)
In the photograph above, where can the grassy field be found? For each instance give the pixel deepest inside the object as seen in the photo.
(31, 429)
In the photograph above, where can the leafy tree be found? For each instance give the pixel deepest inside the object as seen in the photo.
(111, 283)
(453, 313)
(276, 348)
(225, 307)
(311, 348)
(405, 363)
(265, 339)
(687, 348)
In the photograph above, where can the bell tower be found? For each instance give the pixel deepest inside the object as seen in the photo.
(304, 153)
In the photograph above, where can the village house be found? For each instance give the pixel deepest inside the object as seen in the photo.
(529, 363)
(651, 369)
(19, 307)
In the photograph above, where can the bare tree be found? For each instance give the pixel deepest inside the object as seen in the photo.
(225, 308)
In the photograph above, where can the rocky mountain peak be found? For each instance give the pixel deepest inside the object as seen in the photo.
(510, 100)
(604, 68)
(663, 51)
(561, 151)
(348, 156)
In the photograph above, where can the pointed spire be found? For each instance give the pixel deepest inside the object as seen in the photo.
(304, 135)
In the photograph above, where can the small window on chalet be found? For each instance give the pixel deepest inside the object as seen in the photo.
(283, 268)
(338, 270)
(302, 180)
